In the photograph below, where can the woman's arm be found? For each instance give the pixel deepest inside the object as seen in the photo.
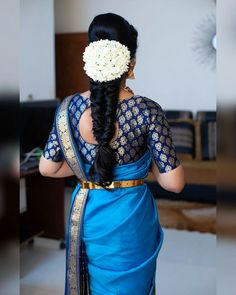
(54, 169)
(173, 181)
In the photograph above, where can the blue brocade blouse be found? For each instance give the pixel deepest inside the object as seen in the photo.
(142, 125)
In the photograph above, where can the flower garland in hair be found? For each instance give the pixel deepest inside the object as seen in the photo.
(106, 60)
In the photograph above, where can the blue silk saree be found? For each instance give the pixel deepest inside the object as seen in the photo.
(113, 237)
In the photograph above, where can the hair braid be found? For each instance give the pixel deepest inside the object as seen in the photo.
(97, 108)
(104, 96)
(103, 110)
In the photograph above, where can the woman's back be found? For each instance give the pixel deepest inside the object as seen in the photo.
(109, 141)
(140, 125)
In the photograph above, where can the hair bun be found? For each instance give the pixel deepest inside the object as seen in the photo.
(133, 35)
(133, 31)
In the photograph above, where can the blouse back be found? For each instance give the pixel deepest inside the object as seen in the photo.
(142, 125)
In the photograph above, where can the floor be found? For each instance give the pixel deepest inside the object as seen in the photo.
(190, 216)
(186, 265)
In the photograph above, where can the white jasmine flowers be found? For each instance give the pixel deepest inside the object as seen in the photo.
(106, 60)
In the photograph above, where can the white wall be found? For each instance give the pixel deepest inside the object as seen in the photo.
(9, 47)
(226, 61)
(37, 53)
(166, 69)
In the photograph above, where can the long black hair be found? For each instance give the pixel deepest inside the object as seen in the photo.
(104, 95)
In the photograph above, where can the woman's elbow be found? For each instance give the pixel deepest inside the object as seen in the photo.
(46, 168)
(43, 171)
(173, 181)
(178, 188)
(174, 188)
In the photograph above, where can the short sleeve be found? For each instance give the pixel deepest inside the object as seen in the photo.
(159, 140)
(52, 150)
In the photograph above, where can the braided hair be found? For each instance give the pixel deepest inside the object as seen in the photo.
(104, 95)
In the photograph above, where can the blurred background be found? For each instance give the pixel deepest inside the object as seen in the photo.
(183, 66)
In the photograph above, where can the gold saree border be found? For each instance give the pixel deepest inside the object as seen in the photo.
(77, 282)
(76, 285)
(65, 138)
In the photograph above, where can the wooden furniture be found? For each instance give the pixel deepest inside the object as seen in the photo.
(196, 172)
(70, 75)
(194, 209)
(44, 213)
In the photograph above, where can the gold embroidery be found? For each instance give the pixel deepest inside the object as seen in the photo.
(114, 144)
(146, 112)
(126, 157)
(126, 127)
(163, 157)
(135, 111)
(159, 128)
(171, 160)
(162, 138)
(121, 151)
(137, 131)
(151, 104)
(168, 168)
(120, 132)
(74, 239)
(151, 126)
(133, 123)
(88, 157)
(77, 114)
(158, 146)
(139, 99)
(165, 131)
(140, 119)
(84, 151)
(153, 111)
(142, 105)
(123, 140)
(122, 119)
(165, 149)
(131, 102)
(117, 158)
(168, 141)
(93, 153)
(160, 119)
(128, 115)
(134, 143)
(50, 144)
(66, 140)
(130, 135)
(73, 109)
(124, 107)
(52, 152)
(155, 135)
(88, 146)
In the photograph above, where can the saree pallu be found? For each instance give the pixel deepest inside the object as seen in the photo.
(113, 237)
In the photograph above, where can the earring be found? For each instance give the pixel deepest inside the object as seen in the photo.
(131, 75)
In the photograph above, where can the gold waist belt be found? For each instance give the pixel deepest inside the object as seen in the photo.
(114, 184)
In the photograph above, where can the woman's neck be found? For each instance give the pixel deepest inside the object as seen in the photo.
(125, 91)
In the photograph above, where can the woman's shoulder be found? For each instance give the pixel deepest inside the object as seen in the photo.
(149, 101)
(149, 106)
(78, 101)
(82, 96)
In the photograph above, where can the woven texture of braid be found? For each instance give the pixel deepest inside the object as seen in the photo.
(104, 101)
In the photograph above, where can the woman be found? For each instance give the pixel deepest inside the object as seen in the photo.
(110, 138)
